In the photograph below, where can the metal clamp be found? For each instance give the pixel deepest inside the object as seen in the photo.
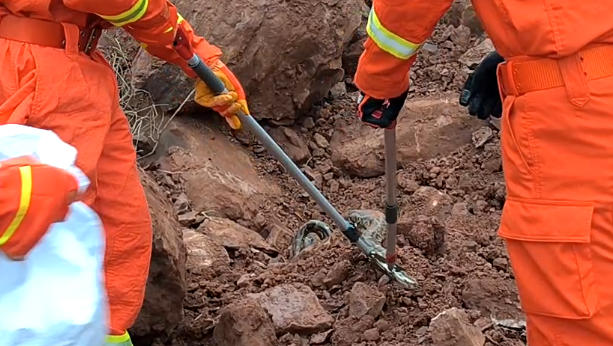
(396, 272)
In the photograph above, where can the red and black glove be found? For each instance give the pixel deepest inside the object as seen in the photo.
(380, 113)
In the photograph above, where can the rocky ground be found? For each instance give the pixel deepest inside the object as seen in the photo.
(225, 213)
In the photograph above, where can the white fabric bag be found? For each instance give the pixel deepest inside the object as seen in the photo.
(56, 296)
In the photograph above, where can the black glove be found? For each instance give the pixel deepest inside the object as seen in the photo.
(380, 113)
(480, 92)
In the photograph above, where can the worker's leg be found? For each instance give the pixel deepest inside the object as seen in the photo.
(76, 97)
(558, 217)
(123, 208)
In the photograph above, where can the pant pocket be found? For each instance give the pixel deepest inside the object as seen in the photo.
(549, 246)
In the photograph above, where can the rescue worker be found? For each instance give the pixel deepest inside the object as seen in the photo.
(53, 77)
(556, 87)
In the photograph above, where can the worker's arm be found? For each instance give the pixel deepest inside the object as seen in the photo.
(153, 23)
(396, 31)
(34, 196)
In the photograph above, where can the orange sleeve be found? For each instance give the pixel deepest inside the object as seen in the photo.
(153, 23)
(34, 196)
(396, 31)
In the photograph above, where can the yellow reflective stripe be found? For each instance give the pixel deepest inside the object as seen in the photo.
(388, 41)
(24, 203)
(179, 20)
(134, 14)
(119, 340)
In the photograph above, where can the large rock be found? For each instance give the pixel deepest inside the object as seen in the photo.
(220, 177)
(244, 324)
(166, 287)
(287, 54)
(426, 128)
(294, 309)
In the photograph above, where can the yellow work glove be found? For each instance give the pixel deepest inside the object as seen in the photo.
(227, 105)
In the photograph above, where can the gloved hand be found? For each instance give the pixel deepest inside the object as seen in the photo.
(380, 113)
(480, 92)
(227, 105)
(34, 196)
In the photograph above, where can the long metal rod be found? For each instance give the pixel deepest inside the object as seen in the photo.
(391, 205)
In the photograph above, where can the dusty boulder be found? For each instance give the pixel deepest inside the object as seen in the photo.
(220, 176)
(166, 287)
(287, 54)
(244, 324)
(294, 309)
(426, 128)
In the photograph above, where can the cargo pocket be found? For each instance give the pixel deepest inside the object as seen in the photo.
(549, 246)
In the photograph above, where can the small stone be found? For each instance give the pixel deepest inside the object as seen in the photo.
(372, 334)
(321, 338)
(308, 123)
(338, 273)
(244, 324)
(334, 186)
(481, 205)
(181, 203)
(459, 209)
(382, 325)
(319, 152)
(321, 141)
(243, 281)
(421, 331)
(451, 328)
(501, 263)
(339, 89)
(481, 136)
(470, 246)
(365, 300)
(190, 218)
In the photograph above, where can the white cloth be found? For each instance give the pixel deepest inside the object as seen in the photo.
(56, 296)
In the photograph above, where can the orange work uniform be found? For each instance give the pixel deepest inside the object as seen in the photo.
(557, 147)
(53, 77)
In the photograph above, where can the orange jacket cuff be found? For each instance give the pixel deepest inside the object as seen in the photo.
(33, 197)
(380, 74)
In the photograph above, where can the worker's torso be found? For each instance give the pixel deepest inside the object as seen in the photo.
(545, 28)
(53, 10)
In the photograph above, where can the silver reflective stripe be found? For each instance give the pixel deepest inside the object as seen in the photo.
(388, 41)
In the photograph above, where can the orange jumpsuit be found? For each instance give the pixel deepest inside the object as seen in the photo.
(52, 77)
(557, 147)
